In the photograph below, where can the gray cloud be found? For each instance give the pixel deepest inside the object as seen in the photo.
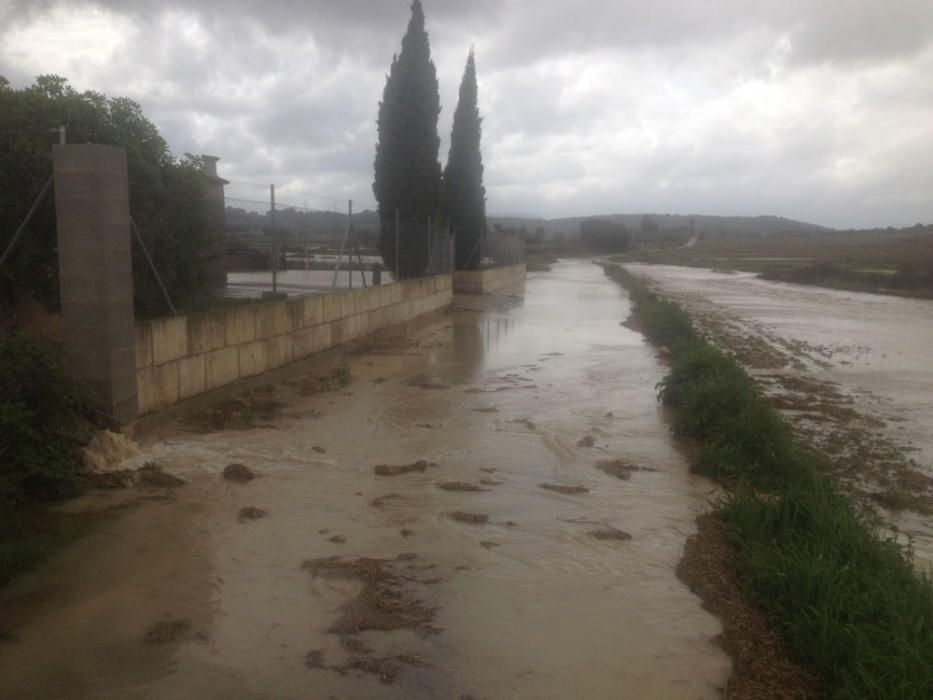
(806, 109)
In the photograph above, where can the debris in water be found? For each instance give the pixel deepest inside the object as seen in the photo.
(108, 480)
(239, 473)
(489, 545)
(323, 531)
(561, 488)
(405, 532)
(489, 470)
(381, 604)
(385, 667)
(151, 474)
(338, 539)
(319, 450)
(511, 523)
(471, 518)
(526, 422)
(488, 409)
(611, 534)
(315, 659)
(379, 380)
(236, 414)
(251, 513)
(491, 482)
(587, 441)
(610, 414)
(619, 468)
(424, 425)
(459, 486)
(397, 469)
(382, 500)
(167, 631)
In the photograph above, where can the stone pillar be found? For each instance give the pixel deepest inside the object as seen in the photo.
(216, 225)
(96, 274)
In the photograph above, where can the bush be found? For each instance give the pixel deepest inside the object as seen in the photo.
(43, 416)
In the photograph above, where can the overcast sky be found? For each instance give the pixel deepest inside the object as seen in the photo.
(820, 110)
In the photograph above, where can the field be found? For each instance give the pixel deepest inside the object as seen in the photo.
(897, 262)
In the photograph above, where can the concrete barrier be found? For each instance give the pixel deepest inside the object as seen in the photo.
(494, 280)
(181, 357)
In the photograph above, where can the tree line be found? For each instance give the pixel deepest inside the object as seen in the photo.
(409, 183)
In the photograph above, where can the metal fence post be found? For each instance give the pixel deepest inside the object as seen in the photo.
(275, 240)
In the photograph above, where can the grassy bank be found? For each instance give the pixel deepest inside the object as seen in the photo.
(845, 598)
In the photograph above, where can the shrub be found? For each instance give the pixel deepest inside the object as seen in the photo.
(43, 416)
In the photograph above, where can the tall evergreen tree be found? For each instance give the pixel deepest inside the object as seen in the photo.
(407, 172)
(464, 194)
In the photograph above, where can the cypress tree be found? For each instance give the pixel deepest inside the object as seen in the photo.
(464, 194)
(407, 172)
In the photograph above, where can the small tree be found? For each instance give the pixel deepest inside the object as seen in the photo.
(464, 194)
(407, 173)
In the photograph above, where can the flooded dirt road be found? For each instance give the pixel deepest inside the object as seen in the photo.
(494, 510)
(851, 370)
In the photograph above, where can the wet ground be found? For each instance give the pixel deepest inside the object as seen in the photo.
(493, 509)
(850, 370)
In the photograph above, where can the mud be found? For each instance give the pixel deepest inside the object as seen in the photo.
(459, 486)
(763, 669)
(251, 513)
(470, 518)
(382, 603)
(154, 476)
(398, 469)
(251, 411)
(561, 488)
(167, 631)
(611, 534)
(238, 473)
(619, 468)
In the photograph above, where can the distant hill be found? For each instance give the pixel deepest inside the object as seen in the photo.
(712, 226)
(667, 224)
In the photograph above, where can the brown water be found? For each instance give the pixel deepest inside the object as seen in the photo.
(542, 610)
(876, 349)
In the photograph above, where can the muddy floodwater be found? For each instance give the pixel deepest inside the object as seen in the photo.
(492, 510)
(852, 370)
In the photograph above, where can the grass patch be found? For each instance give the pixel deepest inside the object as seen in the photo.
(844, 596)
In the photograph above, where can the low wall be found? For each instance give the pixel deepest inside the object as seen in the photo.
(490, 281)
(183, 356)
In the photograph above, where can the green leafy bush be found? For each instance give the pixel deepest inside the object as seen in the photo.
(43, 416)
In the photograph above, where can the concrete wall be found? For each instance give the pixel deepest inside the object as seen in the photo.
(183, 356)
(490, 281)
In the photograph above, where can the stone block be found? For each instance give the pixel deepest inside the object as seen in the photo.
(240, 325)
(323, 338)
(192, 376)
(294, 314)
(169, 339)
(157, 386)
(278, 351)
(312, 310)
(271, 320)
(143, 332)
(301, 343)
(207, 332)
(333, 307)
(222, 367)
(253, 358)
(347, 304)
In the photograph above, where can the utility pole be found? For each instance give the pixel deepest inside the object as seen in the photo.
(275, 240)
(397, 227)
